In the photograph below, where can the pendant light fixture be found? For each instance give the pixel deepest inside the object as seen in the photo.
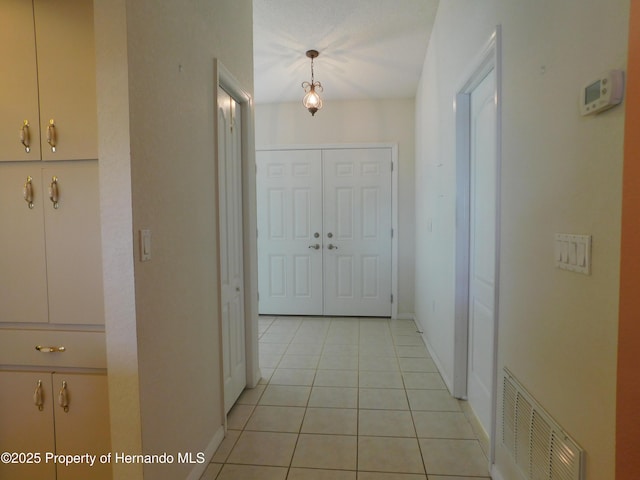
(312, 100)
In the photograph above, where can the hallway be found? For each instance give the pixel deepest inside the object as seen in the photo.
(347, 399)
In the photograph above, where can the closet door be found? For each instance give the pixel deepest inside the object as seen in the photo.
(231, 247)
(289, 194)
(357, 232)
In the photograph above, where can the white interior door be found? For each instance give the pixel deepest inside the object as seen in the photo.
(231, 246)
(289, 194)
(482, 254)
(357, 232)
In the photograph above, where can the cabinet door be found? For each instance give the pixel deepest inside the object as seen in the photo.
(23, 282)
(67, 77)
(23, 426)
(19, 81)
(73, 245)
(84, 427)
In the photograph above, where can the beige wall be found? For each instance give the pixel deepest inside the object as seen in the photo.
(361, 121)
(163, 62)
(561, 173)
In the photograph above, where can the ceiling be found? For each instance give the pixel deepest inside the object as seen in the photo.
(368, 48)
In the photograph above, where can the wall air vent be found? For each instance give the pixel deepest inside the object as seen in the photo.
(540, 447)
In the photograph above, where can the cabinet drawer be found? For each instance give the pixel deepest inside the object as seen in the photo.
(81, 349)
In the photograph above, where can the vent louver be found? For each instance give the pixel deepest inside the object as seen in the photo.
(539, 446)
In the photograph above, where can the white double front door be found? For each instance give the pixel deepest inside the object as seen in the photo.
(324, 231)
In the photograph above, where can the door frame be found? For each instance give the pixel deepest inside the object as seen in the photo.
(394, 198)
(225, 80)
(489, 58)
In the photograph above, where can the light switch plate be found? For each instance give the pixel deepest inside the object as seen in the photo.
(145, 245)
(573, 252)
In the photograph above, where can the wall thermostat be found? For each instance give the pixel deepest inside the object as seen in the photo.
(602, 93)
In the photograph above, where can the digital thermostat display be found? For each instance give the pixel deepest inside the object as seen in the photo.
(603, 93)
(592, 92)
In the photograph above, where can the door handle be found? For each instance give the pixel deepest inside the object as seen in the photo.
(27, 192)
(332, 247)
(52, 136)
(38, 396)
(63, 397)
(25, 136)
(54, 192)
(315, 247)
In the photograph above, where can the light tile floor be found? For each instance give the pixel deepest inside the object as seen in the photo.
(346, 399)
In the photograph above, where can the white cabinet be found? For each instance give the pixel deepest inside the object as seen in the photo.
(48, 55)
(50, 255)
(33, 421)
(50, 249)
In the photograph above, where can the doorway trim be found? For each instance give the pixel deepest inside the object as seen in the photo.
(489, 58)
(225, 80)
(394, 199)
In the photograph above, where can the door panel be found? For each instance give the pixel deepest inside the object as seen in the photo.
(231, 247)
(357, 224)
(67, 78)
(84, 427)
(19, 90)
(482, 249)
(22, 243)
(289, 197)
(24, 427)
(73, 244)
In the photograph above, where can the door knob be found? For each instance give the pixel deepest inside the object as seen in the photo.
(330, 235)
(315, 247)
(332, 247)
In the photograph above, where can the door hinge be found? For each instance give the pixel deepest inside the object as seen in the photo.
(392, 233)
(392, 298)
(392, 166)
(258, 296)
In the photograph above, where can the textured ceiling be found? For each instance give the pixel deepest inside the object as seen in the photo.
(368, 48)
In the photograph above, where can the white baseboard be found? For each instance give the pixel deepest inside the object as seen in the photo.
(198, 469)
(255, 378)
(495, 473)
(436, 360)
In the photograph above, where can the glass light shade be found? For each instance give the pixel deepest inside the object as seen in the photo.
(312, 101)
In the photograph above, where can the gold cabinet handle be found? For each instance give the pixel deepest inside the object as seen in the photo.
(25, 136)
(54, 192)
(51, 135)
(43, 349)
(38, 396)
(63, 397)
(27, 191)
